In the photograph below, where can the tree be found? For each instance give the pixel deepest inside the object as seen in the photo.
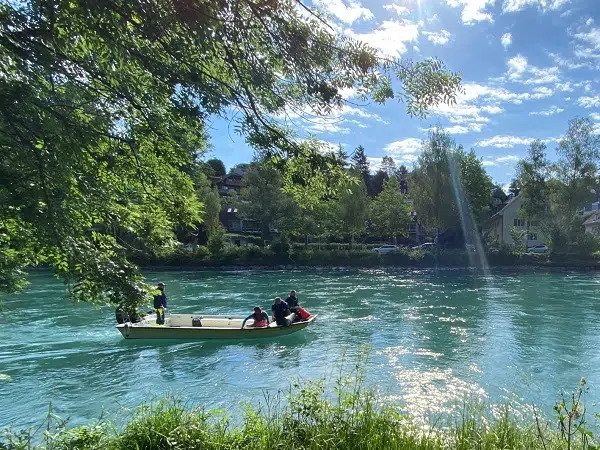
(262, 198)
(211, 199)
(514, 188)
(217, 167)
(499, 194)
(532, 176)
(360, 163)
(391, 210)
(388, 165)
(577, 166)
(402, 174)
(376, 183)
(448, 181)
(103, 109)
(350, 210)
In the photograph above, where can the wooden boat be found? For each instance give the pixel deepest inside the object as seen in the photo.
(198, 327)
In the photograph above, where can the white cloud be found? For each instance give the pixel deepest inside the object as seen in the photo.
(477, 102)
(589, 102)
(516, 67)
(564, 87)
(433, 19)
(404, 151)
(589, 46)
(566, 62)
(473, 10)
(506, 40)
(463, 129)
(390, 37)
(398, 9)
(544, 5)
(347, 13)
(595, 117)
(438, 37)
(519, 70)
(547, 112)
(506, 159)
(339, 120)
(504, 141)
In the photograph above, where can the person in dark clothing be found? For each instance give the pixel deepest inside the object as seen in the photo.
(294, 304)
(261, 318)
(160, 304)
(292, 301)
(280, 311)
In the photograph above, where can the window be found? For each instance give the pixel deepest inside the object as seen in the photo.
(519, 222)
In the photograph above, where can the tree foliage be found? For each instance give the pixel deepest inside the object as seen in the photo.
(350, 210)
(216, 166)
(532, 175)
(262, 198)
(391, 210)
(360, 164)
(443, 168)
(103, 108)
(552, 194)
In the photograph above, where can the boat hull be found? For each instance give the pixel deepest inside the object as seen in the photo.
(149, 330)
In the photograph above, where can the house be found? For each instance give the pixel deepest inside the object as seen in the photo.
(510, 217)
(592, 223)
(233, 223)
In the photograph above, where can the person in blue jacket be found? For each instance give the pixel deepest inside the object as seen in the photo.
(160, 304)
(280, 311)
(261, 318)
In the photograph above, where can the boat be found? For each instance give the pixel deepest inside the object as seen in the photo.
(198, 327)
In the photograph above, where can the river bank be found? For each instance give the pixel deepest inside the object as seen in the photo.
(253, 257)
(310, 418)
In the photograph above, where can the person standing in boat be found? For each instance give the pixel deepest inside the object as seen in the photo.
(160, 304)
(261, 318)
(280, 311)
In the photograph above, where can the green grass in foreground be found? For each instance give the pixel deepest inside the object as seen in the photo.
(351, 418)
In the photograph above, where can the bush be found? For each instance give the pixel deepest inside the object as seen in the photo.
(281, 246)
(312, 418)
(216, 242)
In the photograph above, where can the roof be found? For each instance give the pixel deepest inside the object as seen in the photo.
(593, 219)
(510, 202)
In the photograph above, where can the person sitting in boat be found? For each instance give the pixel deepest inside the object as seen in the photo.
(280, 311)
(160, 304)
(294, 304)
(261, 318)
(292, 301)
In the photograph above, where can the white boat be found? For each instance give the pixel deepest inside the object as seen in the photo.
(192, 327)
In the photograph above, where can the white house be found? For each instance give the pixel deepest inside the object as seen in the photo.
(510, 216)
(592, 223)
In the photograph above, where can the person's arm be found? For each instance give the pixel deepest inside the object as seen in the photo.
(164, 301)
(266, 317)
(246, 319)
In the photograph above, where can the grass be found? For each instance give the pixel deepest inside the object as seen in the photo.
(349, 417)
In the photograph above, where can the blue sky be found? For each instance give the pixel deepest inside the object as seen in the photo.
(528, 66)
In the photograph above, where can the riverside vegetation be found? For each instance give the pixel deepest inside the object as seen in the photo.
(312, 417)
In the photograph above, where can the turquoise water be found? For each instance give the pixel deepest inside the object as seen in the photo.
(434, 338)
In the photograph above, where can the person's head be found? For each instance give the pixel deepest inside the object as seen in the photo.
(257, 310)
(161, 286)
(277, 300)
(292, 293)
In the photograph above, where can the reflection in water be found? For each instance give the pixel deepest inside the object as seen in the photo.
(434, 338)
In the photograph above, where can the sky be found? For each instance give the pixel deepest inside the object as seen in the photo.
(527, 66)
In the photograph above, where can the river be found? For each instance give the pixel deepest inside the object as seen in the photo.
(433, 338)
